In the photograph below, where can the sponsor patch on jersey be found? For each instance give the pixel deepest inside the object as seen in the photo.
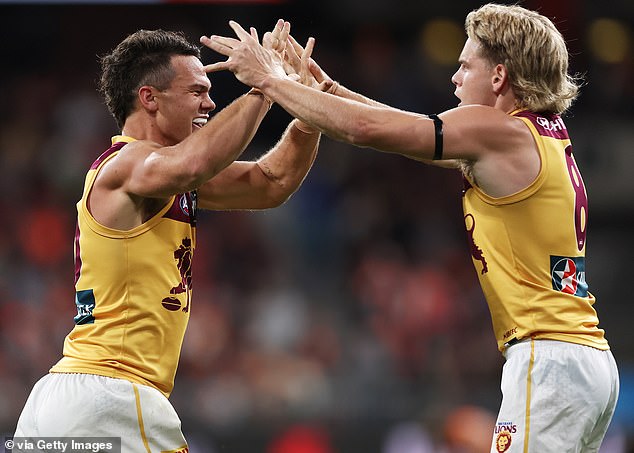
(187, 203)
(184, 208)
(85, 301)
(569, 275)
(184, 204)
(546, 125)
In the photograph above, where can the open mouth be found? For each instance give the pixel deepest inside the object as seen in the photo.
(199, 122)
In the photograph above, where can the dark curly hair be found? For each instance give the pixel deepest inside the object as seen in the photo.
(143, 58)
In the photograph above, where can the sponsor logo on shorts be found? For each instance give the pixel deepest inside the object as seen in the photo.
(504, 435)
(509, 427)
(503, 441)
(569, 275)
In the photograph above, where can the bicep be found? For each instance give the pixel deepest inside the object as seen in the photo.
(395, 131)
(151, 171)
(474, 132)
(463, 134)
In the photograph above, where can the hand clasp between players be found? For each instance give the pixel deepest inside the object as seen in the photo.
(279, 55)
(247, 59)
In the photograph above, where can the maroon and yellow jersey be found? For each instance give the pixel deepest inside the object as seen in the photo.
(528, 248)
(133, 291)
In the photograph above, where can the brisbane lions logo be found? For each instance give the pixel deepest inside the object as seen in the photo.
(183, 256)
(503, 441)
(476, 252)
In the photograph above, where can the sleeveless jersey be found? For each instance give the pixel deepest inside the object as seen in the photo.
(133, 291)
(528, 248)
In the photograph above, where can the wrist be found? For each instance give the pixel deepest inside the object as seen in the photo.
(257, 92)
(303, 127)
(272, 85)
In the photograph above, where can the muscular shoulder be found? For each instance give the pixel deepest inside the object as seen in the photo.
(110, 201)
(508, 160)
(474, 131)
(119, 169)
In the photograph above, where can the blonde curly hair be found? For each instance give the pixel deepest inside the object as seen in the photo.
(532, 50)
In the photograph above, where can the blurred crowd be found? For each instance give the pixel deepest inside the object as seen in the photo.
(349, 319)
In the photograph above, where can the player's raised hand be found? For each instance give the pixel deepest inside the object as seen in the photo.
(294, 49)
(297, 60)
(276, 40)
(251, 62)
(297, 64)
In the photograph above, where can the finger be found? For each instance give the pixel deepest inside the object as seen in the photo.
(308, 50)
(239, 31)
(297, 47)
(286, 30)
(218, 42)
(280, 34)
(277, 29)
(267, 40)
(316, 71)
(288, 68)
(274, 35)
(305, 60)
(254, 34)
(292, 56)
(215, 67)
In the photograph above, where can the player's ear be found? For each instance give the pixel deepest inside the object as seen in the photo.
(500, 78)
(147, 98)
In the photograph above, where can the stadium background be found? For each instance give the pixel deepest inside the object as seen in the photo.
(349, 319)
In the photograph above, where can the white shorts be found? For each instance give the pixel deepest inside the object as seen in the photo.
(556, 397)
(86, 405)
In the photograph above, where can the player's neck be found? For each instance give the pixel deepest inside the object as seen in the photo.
(141, 127)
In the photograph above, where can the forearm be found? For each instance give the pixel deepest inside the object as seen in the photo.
(381, 127)
(288, 162)
(266, 183)
(341, 91)
(337, 117)
(224, 138)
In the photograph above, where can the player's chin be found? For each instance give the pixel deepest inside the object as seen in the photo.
(458, 94)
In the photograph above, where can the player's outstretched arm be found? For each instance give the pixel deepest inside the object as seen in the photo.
(469, 132)
(343, 119)
(274, 177)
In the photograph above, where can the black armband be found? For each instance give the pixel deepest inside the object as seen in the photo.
(437, 135)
